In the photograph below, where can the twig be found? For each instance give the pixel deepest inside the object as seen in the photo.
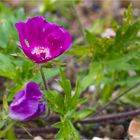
(111, 118)
(115, 99)
(53, 119)
(99, 119)
(36, 130)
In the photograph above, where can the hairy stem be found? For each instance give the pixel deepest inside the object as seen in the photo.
(47, 115)
(43, 78)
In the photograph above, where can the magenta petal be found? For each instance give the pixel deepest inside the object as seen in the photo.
(24, 110)
(32, 91)
(41, 109)
(61, 42)
(18, 99)
(22, 34)
(42, 41)
(19, 96)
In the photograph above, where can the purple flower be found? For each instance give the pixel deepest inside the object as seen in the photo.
(26, 104)
(42, 41)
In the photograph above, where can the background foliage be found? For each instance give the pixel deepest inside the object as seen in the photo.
(108, 63)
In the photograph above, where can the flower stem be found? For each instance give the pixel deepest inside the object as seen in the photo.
(47, 115)
(78, 19)
(43, 79)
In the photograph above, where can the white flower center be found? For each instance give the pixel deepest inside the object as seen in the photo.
(40, 50)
